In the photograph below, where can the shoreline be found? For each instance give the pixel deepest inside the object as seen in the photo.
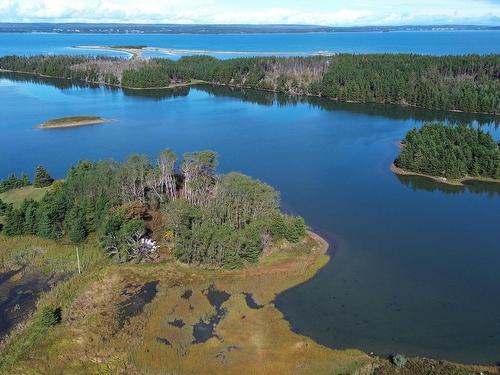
(250, 292)
(130, 52)
(172, 86)
(92, 313)
(195, 82)
(453, 182)
(137, 52)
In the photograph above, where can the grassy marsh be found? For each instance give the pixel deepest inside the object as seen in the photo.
(158, 338)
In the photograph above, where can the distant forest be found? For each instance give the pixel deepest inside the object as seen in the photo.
(458, 83)
(452, 151)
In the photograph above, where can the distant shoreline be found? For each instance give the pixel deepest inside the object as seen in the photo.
(443, 180)
(136, 52)
(221, 29)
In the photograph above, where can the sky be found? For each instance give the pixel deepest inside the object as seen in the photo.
(312, 12)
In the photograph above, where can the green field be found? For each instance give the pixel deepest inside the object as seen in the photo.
(17, 196)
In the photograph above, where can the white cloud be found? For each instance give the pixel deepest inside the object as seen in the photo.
(340, 13)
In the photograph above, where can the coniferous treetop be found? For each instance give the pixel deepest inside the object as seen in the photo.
(42, 177)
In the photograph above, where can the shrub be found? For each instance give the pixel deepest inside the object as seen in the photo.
(50, 317)
(4, 207)
(399, 360)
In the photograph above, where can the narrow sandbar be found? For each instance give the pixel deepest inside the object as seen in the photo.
(73, 121)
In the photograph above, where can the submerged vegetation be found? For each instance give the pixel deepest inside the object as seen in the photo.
(464, 83)
(450, 151)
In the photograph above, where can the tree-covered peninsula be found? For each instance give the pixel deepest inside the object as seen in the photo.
(450, 151)
(107, 240)
(458, 83)
(134, 207)
(162, 257)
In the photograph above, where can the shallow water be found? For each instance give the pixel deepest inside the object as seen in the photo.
(415, 263)
(205, 330)
(19, 293)
(251, 302)
(135, 302)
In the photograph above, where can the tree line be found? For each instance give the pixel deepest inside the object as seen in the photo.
(42, 179)
(219, 220)
(452, 151)
(468, 83)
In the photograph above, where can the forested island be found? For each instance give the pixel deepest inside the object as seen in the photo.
(454, 83)
(451, 153)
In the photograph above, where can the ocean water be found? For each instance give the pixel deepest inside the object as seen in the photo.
(235, 45)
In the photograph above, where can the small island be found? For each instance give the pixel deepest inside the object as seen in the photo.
(71, 122)
(451, 154)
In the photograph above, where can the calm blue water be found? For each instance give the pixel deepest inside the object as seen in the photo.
(435, 43)
(415, 264)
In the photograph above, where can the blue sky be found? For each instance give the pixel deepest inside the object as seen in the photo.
(324, 12)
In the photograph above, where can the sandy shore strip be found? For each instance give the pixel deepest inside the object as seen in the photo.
(130, 52)
(443, 180)
(137, 52)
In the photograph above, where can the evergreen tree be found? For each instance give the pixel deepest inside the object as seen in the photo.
(296, 229)
(30, 217)
(77, 226)
(4, 207)
(46, 226)
(25, 180)
(42, 177)
(14, 222)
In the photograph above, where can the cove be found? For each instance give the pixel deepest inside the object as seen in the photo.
(415, 263)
